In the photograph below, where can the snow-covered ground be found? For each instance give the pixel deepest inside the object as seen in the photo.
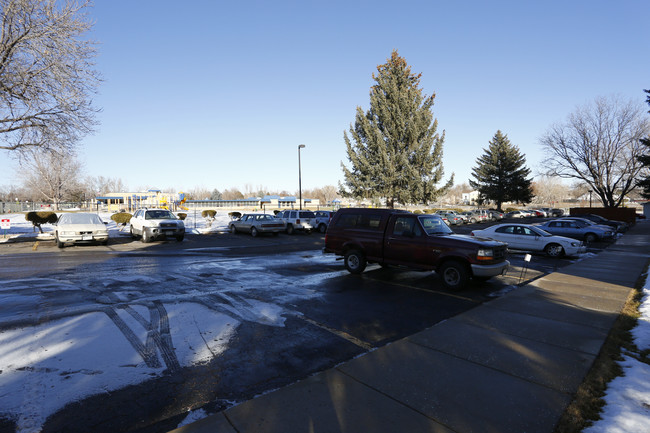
(627, 401)
(21, 228)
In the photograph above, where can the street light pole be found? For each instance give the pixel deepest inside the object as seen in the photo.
(300, 146)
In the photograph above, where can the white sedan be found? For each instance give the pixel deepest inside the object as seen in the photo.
(527, 237)
(80, 228)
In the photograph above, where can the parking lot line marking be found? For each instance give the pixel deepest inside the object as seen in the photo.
(464, 298)
(351, 338)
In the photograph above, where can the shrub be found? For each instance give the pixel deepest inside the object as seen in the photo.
(234, 215)
(38, 218)
(182, 216)
(417, 211)
(121, 219)
(209, 213)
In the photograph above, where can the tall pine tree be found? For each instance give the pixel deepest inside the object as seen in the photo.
(645, 160)
(501, 175)
(394, 150)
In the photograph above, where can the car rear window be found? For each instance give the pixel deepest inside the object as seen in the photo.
(307, 214)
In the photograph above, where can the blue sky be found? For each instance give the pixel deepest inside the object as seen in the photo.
(220, 94)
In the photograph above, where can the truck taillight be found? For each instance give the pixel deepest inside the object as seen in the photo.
(297, 221)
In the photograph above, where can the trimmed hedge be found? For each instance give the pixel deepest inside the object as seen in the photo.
(38, 218)
(182, 216)
(209, 213)
(234, 215)
(121, 219)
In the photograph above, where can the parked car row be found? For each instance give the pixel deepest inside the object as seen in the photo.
(540, 213)
(531, 238)
(555, 237)
(289, 221)
(470, 217)
(558, 237)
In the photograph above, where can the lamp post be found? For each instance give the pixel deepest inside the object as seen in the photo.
(300, 146)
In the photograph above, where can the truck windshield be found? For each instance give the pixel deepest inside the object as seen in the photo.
(434, 225)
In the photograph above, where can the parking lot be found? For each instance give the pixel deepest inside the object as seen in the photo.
(201, 324)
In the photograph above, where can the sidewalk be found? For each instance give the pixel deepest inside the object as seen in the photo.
(509, 365)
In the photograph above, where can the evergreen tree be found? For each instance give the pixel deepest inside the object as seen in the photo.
(644, 159)
(394, 150)
(501, 174)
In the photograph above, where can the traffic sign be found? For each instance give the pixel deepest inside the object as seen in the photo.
(5, 224)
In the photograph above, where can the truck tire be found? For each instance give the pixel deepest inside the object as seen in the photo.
(454, 275)
(355, 261)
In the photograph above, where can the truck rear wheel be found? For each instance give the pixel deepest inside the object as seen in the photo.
(454, 275)
(355, 262)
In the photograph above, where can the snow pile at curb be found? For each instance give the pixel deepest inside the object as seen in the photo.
(627, 401)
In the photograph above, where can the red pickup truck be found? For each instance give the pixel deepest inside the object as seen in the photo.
(423, 242)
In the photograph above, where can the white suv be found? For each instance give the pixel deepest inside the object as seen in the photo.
(152, 224)
(304, 220)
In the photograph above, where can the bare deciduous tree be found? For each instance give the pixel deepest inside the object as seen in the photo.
(52, 175)
(599, 144)
(548, 190)
(232, 194)
(47, 75)
(100, 185)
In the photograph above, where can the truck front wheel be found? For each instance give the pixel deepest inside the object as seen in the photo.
(355, 261)
(454, 275)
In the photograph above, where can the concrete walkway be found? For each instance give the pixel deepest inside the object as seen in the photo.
(509, 365)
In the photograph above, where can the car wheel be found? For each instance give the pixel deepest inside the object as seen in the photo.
(590, 237)
(180, 238)
(554, 250)
(131, 231)
(146, 237)
(233, 230)
(290, 229)
(322, 228)
(59, 243)
(355, 261)
(454, 275)
(253, 231)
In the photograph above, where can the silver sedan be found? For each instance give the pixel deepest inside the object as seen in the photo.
(256, 224)
(80, 228)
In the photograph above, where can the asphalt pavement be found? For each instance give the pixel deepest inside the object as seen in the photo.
(509, 365)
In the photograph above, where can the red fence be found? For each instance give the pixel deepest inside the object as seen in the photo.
(611, 213)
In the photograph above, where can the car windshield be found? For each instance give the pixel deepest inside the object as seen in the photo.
(80, 218)
(159, 215)
(434, 225)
